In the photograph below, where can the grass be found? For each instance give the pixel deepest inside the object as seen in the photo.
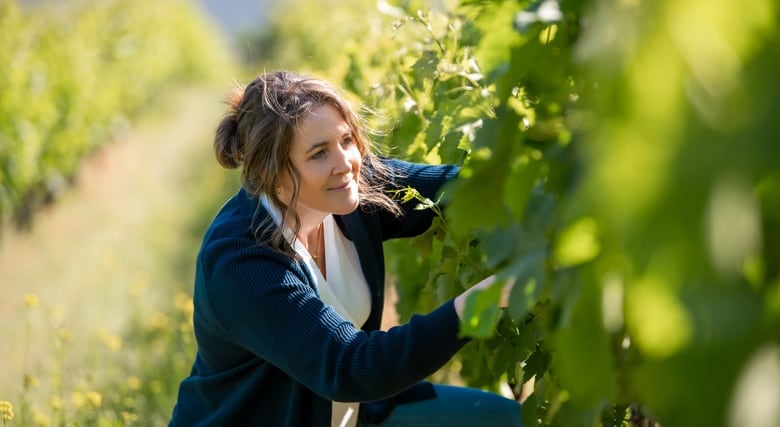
(96, 312)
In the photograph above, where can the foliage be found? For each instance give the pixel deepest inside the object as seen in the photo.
(618, 161)
(74, 72)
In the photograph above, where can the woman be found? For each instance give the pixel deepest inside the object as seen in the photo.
(290, 278)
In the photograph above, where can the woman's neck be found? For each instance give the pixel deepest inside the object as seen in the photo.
(310, 232)
(312, 237)
(308, 229)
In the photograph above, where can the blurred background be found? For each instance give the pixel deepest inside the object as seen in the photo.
(620, 161)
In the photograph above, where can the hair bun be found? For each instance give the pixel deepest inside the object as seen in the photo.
(227, 145)
(234, 98)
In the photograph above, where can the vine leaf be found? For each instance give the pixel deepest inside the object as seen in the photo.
(578, 243)
(589, 376)
(529, 274)
(481, 312)
(524, 174)
(484, 177)
(537, 364)
(424, 242)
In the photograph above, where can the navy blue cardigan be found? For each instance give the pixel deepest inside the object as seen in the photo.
(271, 353)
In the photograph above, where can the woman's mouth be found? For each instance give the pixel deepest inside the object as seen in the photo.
(344, 186)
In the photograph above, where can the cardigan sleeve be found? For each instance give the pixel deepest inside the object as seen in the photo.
(265, 305)
(428, 180)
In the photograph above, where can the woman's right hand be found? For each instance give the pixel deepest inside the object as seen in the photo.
(503, 302)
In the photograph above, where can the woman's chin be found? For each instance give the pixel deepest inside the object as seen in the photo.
(349, 207)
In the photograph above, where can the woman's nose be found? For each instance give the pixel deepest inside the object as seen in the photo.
(343, 161)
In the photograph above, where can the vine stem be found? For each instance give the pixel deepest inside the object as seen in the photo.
(425, 23)
(434, 206)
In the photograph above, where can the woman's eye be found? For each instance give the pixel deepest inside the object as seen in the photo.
(348, 141)
(318, 155)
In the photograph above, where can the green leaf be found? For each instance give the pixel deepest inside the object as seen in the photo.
(449, 251)
(524, 173)
(426, 66)
(448, 266)
(476, 201)
(504, 361)
(578, 243)
(497, 34)
(501, 245)
(584, 362)
(433, 134)
(537, 364)
(529, 274)
(481, 312)
(418, 148)
(424, 242)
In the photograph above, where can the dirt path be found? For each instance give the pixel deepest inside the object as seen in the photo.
(90, 250)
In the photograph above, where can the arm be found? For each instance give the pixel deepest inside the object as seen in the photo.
(428, 180)
(282, 321)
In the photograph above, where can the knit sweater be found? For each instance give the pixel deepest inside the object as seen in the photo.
(271, 353)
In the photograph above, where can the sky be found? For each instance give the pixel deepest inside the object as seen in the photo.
(235, 16)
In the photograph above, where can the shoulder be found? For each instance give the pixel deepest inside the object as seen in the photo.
(232, 237)
(237, 218)
(234, 270)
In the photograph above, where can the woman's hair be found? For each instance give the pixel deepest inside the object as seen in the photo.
(258, 130)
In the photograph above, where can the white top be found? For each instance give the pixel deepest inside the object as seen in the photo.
(345, 289)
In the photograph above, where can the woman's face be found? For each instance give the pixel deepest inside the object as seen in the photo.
(325, 153)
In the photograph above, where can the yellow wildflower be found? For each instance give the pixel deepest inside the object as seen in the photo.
(64, 335)
(89, 399)
(31, 300)
(112, 341)
(185, 327)
(134, 382)
(40, 419)
(94, 399)
(155, 386)
(158, 321)
(56, 403)
(129, 417)
(183, 302)
(6, 410)
(30, 381)
(78, 399)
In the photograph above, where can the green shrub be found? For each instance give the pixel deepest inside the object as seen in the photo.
(619, 162)
(75, 72)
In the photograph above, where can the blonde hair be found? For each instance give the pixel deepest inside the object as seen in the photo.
(257, 132)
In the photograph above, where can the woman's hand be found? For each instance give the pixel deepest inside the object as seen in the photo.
(503, 302)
